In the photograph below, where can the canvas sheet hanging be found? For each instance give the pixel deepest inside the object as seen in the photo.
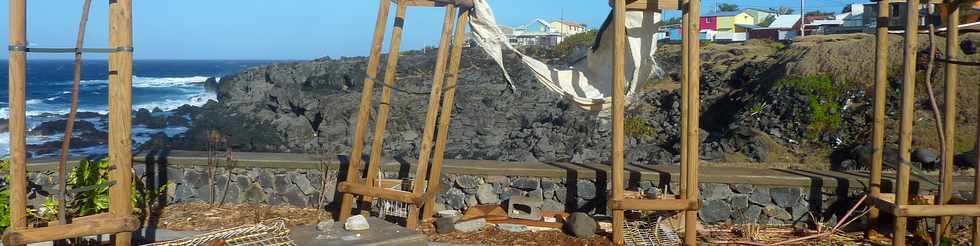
(588, 82)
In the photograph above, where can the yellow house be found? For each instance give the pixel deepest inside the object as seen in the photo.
(725, 21)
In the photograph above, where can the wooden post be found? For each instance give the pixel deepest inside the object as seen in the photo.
(618, 112)
(685, 66)
(694, 126)
(448, 102)
(976, 176)
(384, 106)
(432, 111)
(881, 88)
(908, 111)
(17, 80)
(120, 113)
(363, 114)
(949, 128)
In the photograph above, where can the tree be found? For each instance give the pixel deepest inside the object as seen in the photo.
(671, 21)
(723, 7)
(783, 10)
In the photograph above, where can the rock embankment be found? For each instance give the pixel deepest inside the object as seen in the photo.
(808, 101)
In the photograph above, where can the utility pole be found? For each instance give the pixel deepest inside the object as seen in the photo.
(802, 18)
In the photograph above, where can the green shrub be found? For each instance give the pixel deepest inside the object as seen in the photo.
(569, 44)
(95, 200)
(637, 127)
(824, 101)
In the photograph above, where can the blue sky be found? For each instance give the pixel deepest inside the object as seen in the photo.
(292, 29)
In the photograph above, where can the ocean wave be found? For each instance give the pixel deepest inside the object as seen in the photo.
(197, 100)
(152, 82)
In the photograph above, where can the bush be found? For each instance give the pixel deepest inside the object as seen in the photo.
(579, 40)
(637, 127)
(825, 97)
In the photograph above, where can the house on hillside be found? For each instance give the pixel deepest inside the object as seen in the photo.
(720, 26)
(898, 13)
(725, 21)
(759, 15)
(567, 28)
(784, 27)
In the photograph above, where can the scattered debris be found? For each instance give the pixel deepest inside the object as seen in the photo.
(513, 227)
(357, 223)
(581, 225)
(521, 207)
(450, 214)
(471, 225)
(325, 226)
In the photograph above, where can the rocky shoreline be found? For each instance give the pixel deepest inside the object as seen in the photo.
(806, 102)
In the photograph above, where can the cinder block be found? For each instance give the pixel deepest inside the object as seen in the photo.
(522, 207)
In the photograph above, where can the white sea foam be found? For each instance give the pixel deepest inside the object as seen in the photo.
(153, 82)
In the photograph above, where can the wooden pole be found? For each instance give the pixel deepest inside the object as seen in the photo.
(694, 126)
(364, 112)
(976, 176)
(685, 66)
(908, 111)
(952, 79)
(448, 102)
(431, 113)
(618, 111)
(17, 79)
(120, 113)
(384, 106)
(881, 90)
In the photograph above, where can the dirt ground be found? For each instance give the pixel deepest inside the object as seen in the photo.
(204, 217)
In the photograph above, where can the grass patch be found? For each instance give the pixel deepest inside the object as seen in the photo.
(824, 97)
(569, 44)
(637, 127)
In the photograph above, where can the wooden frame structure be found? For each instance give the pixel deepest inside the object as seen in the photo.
(119, 221)
(425, 176)
(688, 201)
(900, 207)
(419, 196)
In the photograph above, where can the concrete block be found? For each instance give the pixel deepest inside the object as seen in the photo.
(522, 207)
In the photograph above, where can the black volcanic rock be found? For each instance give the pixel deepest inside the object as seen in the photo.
(58, 127)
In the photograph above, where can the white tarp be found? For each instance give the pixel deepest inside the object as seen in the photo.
(588, 83)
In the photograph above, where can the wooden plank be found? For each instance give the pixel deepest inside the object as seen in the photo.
(422, 3)
(384, 106)
(650, 5)
(120, 113)
(79, 229)
(17, 79)
(432, 111)
(364, 111)
(618, 112)
(485, 211)
(908, 112)
(448, 103)
(383, 193)
(534, 223)
(883, 205)
(655, 205)
(880, 96)
(971, 210)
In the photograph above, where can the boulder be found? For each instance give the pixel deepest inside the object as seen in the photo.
(581, 225)
(925, 156)
(471, 225)
(445, 225)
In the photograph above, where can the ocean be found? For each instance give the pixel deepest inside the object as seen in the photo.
(163, 84)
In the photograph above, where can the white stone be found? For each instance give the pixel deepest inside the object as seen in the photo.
(357, 223)
(471, 225)
(324, 226)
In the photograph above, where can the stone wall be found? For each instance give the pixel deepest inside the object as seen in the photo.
(723, 203)
(729, 195)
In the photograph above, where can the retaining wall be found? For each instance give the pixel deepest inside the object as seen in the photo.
(729, 194)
